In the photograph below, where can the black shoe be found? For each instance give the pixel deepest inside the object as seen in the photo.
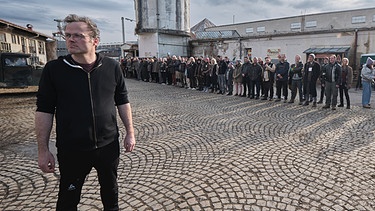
(347, 107)
(230, 93)
(243, 95)
(314, 104)
(257, 98)
(219, 93)
(326, 106)
(263, 98)
(291, 101)
(236, 95)
(306, 103)
(251, 97)
(333, 108)
(340, 105)
(278, 100)
(320, 102)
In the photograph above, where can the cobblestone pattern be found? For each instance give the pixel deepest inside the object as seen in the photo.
(201, 151)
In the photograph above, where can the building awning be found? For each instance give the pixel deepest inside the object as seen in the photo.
(337, 49)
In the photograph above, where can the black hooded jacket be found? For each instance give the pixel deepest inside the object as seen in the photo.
(84, 103)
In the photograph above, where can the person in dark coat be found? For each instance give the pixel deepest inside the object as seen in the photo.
(311, 74)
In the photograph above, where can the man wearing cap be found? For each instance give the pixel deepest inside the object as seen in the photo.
(332, 81)
(311, 74)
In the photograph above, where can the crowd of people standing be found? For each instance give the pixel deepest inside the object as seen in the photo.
(256, 78)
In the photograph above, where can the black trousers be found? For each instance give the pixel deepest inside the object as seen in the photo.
(343, 89)
(309, 88)
(74, 166)
(163, 77)
(284, 86)
(267, 85)
(322, 92)
(254, 85)
(169, 78)
(245, 81)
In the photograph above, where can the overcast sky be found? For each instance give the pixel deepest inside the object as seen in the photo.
(107, 13)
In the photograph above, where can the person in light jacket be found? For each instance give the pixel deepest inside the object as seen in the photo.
(368, 75)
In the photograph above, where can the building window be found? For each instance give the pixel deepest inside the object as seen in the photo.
(359, 19)
(32, 46)
(41, 48)
(261, 29)
(23, 44)
(5, 47)
(249, 30)
(295, 25)
(14, 39)
(249, 52)
(311, 24)
(3, 37)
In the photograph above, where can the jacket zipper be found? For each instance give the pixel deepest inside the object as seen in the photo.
(90, 92)
(92, 110)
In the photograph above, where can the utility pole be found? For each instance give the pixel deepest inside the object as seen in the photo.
(157, 28)
(123, 30)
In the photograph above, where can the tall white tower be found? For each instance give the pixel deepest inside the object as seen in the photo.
(163, 27)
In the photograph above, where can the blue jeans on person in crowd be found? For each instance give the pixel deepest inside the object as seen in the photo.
(366, 92)
(221, 80)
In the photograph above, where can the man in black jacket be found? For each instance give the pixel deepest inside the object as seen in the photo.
(311, 74)
(245, 69)
(82, 90)
(255, 77)
(282, 70)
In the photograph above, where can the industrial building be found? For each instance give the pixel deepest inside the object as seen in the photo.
(343, 33)
(163, 27)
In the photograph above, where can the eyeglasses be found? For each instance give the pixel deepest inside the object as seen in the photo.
(75, 36)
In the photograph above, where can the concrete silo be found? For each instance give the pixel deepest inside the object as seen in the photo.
(163, 27)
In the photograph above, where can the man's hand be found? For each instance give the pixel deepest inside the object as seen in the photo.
(46, 162)
(129, 142)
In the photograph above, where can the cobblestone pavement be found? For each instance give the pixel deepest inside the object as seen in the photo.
(202, 151)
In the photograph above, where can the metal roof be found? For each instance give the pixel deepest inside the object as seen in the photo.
(337, 49)
(216, 34)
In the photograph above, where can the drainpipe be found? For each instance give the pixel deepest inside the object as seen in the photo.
(239, 40)
(355, 48)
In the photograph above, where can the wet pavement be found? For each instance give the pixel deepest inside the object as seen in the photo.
(203, 151)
